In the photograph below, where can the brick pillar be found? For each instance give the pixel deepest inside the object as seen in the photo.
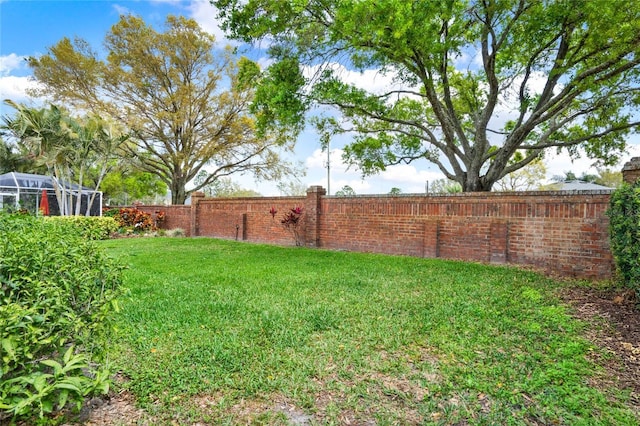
(430, 240)
(312, 207)
(196, 197)
(631, 171)
(499, 242)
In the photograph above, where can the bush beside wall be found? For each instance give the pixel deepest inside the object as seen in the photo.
(624, 214)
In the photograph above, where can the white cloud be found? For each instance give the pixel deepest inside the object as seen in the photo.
(374, 81)
(359, 186)
(9, 63)
(559, 164)
(12, 86)
(264, 62)
(318, 160)
(406, 174)
(121, 10)
(15, 88)
(204, 13)
(406, 177)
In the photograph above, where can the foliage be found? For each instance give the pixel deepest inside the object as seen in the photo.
(126, 184)
(605, 177)
(609, 178)
(109, 212)
(68, 147)
(291, 221)
(624, 229)
(292, 188)
(527, 178)
(90, 227)
(224, 188)
(468, 83)
(395, 191)
(133, 219)
(58, 293)
(13, 159)
(185, 108)
(570, 176)
(444, 186)
(424, 341)
(345, 191)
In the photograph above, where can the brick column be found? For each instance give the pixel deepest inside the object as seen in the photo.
(499, 242)
(312, 207)
(631, 171)
(196, 197)
(430, 240)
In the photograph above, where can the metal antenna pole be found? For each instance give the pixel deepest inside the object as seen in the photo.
(328, 168)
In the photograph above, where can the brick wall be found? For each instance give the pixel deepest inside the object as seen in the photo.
(177, 216)
(248, 218)
(564, 233)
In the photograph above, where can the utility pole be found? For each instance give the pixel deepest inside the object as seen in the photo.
(328, 166)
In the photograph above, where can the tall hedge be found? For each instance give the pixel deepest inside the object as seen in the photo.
(91, 227)
(58, 292)
(624, 216)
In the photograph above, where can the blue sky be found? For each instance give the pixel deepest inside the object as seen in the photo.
(28, 27)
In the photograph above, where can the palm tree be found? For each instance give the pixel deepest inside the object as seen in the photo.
(68, 147)
(12, 159)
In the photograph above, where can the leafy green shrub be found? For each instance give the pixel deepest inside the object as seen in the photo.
(107, 212)
(91, 227)
(624, 229)
(58, 292)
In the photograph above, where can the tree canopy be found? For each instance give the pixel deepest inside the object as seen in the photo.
(345, 191)
(527, 178)
(224, 188)
(473, 81)
(185, 104)
(124, 185)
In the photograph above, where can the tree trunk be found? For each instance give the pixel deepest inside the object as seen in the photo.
(178, 191)
(475, 183)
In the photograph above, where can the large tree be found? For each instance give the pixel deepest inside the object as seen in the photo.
(474, 81)
(186, 105)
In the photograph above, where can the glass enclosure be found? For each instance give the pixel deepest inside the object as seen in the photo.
(43, 194)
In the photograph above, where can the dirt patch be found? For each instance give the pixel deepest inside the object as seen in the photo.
(114, 409)
(274, 410)
(398, 395)
(616, 319)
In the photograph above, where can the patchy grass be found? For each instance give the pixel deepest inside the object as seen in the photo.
(226, 333)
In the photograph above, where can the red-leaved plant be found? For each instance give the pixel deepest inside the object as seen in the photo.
(135, 219)
(291, 222)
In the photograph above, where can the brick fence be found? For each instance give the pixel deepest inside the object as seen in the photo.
(559, 232)
(563, 233)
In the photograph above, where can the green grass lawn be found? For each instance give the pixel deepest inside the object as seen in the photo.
(223, 332)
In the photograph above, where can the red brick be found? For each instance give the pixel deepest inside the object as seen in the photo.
(559, 232)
